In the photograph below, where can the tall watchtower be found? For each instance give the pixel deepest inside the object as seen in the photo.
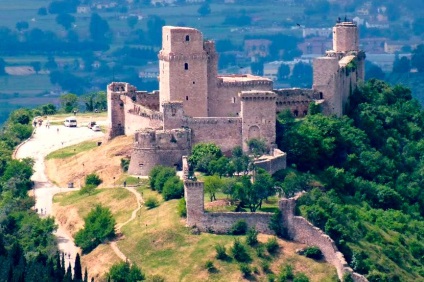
(345, 37)
(183, 70)
(258, 111)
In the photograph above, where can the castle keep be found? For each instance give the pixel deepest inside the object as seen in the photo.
(195, 104)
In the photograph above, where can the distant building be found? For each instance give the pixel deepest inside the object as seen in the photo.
(257, 47)
(315, 45)
(374, 45)
(83, 10)
(397, 46)
(321, 32)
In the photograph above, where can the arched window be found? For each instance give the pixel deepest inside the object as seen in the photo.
(187, 37)
(186, 66)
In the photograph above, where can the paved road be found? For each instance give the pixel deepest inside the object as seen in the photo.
(44, 141)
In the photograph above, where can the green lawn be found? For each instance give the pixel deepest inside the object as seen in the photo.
(72, 150)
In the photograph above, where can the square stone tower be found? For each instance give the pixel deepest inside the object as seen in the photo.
(183, 70)
(258, 113)
(345, 37)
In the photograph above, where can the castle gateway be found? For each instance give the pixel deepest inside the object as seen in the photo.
(195, 104)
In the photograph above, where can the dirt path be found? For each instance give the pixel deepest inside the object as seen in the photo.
(44, 141)
(113, 244)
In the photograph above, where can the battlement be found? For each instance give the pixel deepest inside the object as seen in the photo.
(121, 87)
(253, 95)
(243, 81)
(175, 139)
(216, 121)
(190, 184)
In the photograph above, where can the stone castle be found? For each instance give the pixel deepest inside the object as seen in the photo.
(195, 104)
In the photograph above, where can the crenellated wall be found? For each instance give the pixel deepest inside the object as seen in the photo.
(297, 100)
(225, 102)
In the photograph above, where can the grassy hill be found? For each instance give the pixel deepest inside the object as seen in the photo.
(157, 240)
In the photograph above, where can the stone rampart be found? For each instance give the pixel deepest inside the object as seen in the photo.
(221, 222)
(148, 99)
(224, 132)
(297, 100)
(274, 162)
(301, 230)
(139, 117)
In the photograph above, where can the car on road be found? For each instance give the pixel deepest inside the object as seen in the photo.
(96, 127)
(91, 124)
(70, 122)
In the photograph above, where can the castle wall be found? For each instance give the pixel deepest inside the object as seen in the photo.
(224, 132)
(224, 101)
(148, 99)
(221, 222)
(139, 117)
(301, 230)
(297, 100)
(273, 163)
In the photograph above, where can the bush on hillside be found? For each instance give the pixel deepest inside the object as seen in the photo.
(99, 225)
(151, 202)
(239, 228)
(87, 189)
(123, 271)
(313, 253)
(220, 252)
(252, 237)
(272, 246)
(181, 208)
(93, 179)
(239, 252)
(125, 163)
(173, 189)
(159, 175)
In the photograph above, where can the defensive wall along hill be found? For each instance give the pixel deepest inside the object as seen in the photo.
(296, 228)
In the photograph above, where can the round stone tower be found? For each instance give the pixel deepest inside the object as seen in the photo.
(345, 37)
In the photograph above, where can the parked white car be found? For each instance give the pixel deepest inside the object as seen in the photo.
(70, 122)
(96, 127)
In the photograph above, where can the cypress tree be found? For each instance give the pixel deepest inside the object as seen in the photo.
(77, 269)
(63, 264)
(85, 275)
(68, 275)
(59, 271)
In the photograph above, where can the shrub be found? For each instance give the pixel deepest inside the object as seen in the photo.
(159, 175)
(123, 271)
(275, 224)
(173, 189)
(239, 252)
(286, 273)
(151, 202)
(93, 179)
(260, 252)
(265, 266)
(272, 245)
(156, 278)
(347, 277)
(239, 228)
(313, 253)
(220, 252)
(181, 208)
(99, 226)
(300, 277)
(252, 237)
(209, 266)
(125, 163)
(245, 269)
(87, 189)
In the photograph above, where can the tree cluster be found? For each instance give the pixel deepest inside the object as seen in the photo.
(166, 182)
(366, 167)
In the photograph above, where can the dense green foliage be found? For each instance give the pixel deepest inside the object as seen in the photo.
(99, 225)
(124, 272)
(165, 181)
(368, 166)
(93, 179)
(28, 250)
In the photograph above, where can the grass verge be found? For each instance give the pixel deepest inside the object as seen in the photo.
(72, 150)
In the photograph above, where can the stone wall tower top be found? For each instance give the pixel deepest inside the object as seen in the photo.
(183, 70)
(345, 37)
